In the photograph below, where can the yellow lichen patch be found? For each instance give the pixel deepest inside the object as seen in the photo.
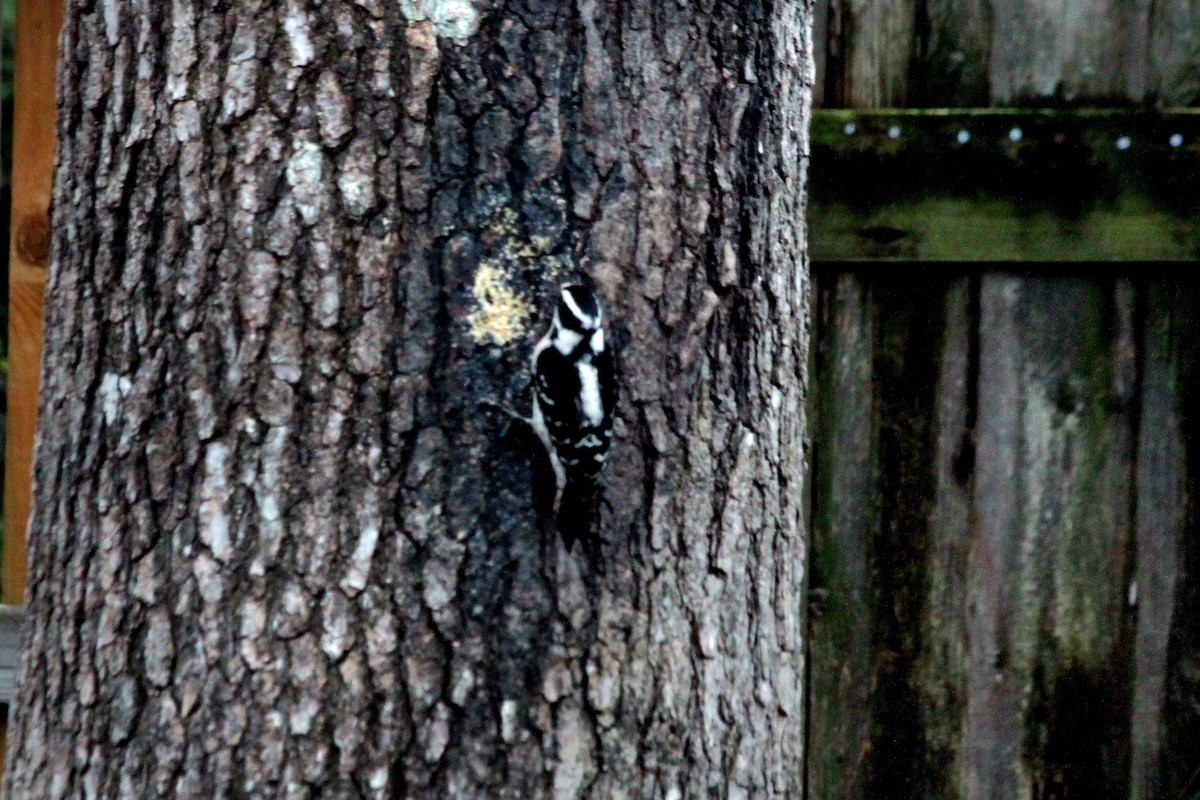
(502, 313)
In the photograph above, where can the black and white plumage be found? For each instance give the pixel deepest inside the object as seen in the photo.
(574, 395)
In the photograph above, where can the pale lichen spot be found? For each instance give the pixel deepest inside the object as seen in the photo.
(113, 389)
(508, 720)
(305, 172)
(112, 22)
(378, 779)
(295, 25)
(333, 113)
(502, 313)
(451, 19)
(213, 514)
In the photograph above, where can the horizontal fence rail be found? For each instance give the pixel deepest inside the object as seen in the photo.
(1005, 185)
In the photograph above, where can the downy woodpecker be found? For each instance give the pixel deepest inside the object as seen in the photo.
(574, 396)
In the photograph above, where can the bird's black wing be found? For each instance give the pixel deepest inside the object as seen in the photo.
(581, 447)
(608, 394)
(557, 387)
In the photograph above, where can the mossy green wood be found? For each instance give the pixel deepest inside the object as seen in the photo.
(1004, 551)
(1005, 185)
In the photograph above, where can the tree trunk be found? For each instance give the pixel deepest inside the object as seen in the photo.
(282, 545)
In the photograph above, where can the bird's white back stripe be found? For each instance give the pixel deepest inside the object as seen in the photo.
(589, 394)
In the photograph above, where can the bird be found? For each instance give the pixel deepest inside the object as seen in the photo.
(574, 399)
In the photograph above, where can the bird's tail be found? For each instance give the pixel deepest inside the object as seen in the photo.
(577, 512)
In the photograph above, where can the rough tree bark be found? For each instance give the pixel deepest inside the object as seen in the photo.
(280, 548)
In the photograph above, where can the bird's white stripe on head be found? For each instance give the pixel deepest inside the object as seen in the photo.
(597, 343)
(586, 320)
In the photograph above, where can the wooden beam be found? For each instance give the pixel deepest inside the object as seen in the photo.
(37, 26)
(1022, 52)
(1011, 185)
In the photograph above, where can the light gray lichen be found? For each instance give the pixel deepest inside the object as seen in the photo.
(296, 25)
(451, 19)
(305, 173)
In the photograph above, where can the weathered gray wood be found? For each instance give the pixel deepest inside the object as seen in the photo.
(1085, 50)
(1050, 636)
(875, 47)
(1161, 520)
(1025, 635)
(965, 53)
(994, 688)
(845, 527)
(941, 670)
(954, 38)
(1171, 518)
(1175, 52)
(885, 717)
(281, 545)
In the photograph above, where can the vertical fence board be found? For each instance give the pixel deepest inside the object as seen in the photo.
(886, 715)
(1048, 712)
(1180, 307)
(993, 726)
(968, 53)
(1175, 52)
(1160, 518)
(941, 672)
(845, 525)
(37, 26)
(1086, 49)
(952, 67)
(912, 339)
(820, 38)
(874, 44)
(1083, 363)
(1007, 584)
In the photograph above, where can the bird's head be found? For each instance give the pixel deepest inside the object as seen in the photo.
(578, 310)
(577, 318)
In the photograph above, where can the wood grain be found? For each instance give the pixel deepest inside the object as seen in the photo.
(941, 670)
(1049, 635)
(1161, 515)
(1093, 51)
(993, 730)
(37, 26)
(1171, 517)
(1175, 52)
(1016, 449)
(953, 46)
(876, 39)
(845, 528)
(966, 53)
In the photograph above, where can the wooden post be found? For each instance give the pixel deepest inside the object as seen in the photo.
(37, 25)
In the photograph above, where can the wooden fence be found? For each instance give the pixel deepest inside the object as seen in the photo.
(977, 53)
(1004, 565)
(37, 25)
(1005, 568)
